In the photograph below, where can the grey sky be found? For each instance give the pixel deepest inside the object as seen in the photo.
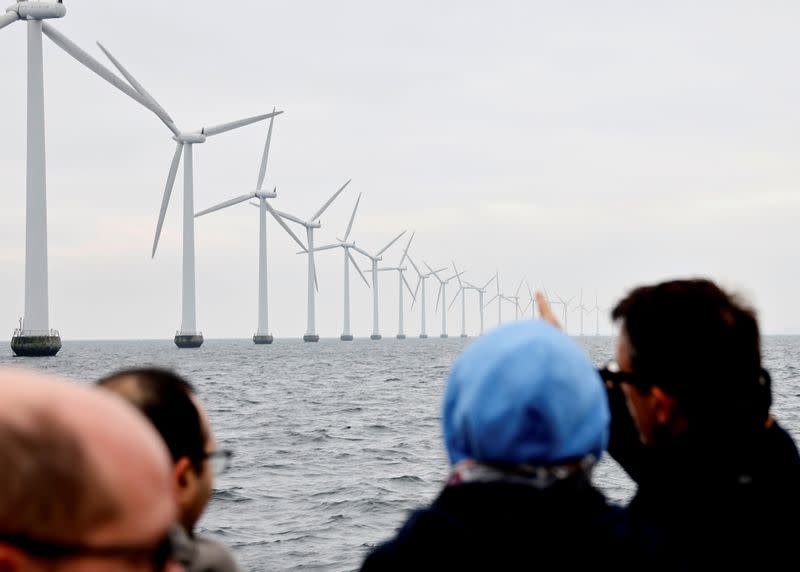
(590, 145)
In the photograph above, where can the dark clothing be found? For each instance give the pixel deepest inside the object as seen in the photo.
(712, 499)
(508, 526)
(204, 554)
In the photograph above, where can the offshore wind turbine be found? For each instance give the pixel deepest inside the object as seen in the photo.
(596, 310)
(34, 337)
(421, 281)
(347, 336)
(375, 258)
(565, 305)
(401, 281)
(481, 292)
(462, 288)
(441, 295)
(311, 224)
(188, 336)
(582, 309)
(262, 335)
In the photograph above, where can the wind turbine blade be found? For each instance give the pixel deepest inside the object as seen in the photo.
(330, 200)
(395, 239)
(405, 250)
(519, 287)
(173, 169)
(454, 299)
(229, 203)
(487, 283)
(83, 57)
(362, 252)
(352, 216)
(529, 290)
(528, 305)
(353, 260)
(429, 267)
(415, 269)
(157, 109)
(217, 129)
(458, 274)
(439, 270)
(8, 18)
(413, 294)
(439, 295)
(263, 169)
(285, 226)
(325, 247)
(290, 217)
(492, 300)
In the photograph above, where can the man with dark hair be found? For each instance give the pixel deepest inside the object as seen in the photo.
(718, 479)
(170, 404)
(84, 481)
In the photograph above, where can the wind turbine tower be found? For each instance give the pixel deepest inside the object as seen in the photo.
(262, 335)
(481, 292)
(347, 335)
(462, 288)
(310, 225)
(375, 258)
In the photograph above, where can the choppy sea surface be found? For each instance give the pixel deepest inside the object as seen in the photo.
(335, 441)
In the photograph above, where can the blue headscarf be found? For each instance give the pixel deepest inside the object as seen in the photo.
(524, 393)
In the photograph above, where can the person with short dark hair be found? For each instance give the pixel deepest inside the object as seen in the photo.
(718, 479)
(85, 482)
(170, 403)
(525, 418)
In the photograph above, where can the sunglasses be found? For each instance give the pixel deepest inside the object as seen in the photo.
(158, 554)
(612, 374)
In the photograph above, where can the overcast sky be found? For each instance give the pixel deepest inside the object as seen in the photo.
(582, 145)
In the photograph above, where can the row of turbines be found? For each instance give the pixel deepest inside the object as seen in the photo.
(35, 337)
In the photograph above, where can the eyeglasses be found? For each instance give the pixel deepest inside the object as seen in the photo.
(159, 554)
(613, 375)
(220, 460)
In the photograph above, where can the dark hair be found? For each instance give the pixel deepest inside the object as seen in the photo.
(50, 488)
(165, 399)
(700, 345)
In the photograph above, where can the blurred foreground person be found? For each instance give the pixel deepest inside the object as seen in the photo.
(718, 479)
(84, 481)
(170, 404)
(524, 419)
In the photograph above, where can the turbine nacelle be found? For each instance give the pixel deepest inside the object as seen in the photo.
(28, 10)
(266, 194)
(190, 138)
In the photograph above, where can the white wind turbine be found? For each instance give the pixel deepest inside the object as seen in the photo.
(582, 309)
(515, 300)
(462, 288)
(531, 303)
(499, 297)
(347, 336)
(375, 258)
(262, 335)
(34, 336)
(401, 281)
(596, 310)
(481, 292)
(421, 281)
(188, 336)
(565, 305)
(442, 295)
(311, 224)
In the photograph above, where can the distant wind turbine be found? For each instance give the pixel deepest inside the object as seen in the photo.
(442, 295)
(421, 282)
(262, 335)
(481, 292)
(462, 288)
(347, 335)
(374, 259)
(401, 281)
(311, 224)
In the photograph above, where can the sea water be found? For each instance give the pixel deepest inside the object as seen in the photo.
(335, 442)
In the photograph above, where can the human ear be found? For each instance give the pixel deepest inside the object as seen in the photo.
(185, 478)
(664, 406)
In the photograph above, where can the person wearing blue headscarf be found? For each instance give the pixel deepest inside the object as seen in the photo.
(525, 417)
